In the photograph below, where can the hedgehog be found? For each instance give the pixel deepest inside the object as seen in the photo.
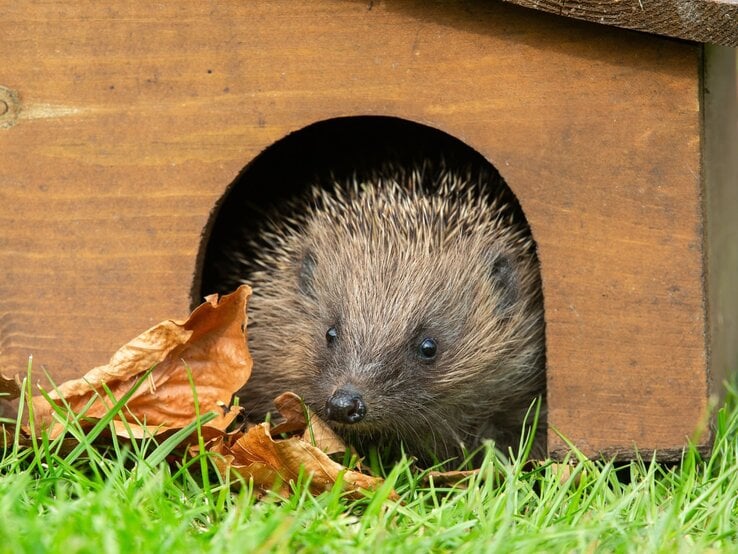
(405, 308)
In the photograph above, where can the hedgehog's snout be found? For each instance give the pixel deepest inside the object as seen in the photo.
(345, 405)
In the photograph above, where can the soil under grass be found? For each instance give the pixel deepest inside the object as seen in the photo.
(128, 500)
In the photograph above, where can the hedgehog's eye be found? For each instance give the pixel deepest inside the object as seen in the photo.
(331, 335)
(427, 349)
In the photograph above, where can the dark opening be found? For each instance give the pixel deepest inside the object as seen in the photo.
(320, 154)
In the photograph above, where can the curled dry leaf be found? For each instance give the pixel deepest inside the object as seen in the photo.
(211, 344)
(273, 463)
(9, 388)
(300, 418)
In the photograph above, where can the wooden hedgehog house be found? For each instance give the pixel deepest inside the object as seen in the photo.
(123, 128)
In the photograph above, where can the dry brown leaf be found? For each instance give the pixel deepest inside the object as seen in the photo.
(211, 343)
(273, 464)
(317, 432)
(135, 431)
(9, 388)
(265, 478)
(292, 409)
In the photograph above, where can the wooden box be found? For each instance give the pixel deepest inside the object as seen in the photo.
(122, 127)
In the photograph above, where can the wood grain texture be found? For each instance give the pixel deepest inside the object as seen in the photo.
(710, 21)
(134, 119)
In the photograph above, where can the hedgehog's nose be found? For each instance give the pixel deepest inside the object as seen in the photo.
(346, 406)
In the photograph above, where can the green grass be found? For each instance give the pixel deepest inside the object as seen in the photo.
(128, 500)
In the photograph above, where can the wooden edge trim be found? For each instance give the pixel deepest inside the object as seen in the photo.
(709, 21)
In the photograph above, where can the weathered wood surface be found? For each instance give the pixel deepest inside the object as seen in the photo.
(133, 120)
(711, 21)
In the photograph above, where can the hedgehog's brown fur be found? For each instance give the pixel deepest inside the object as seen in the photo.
(403, 256)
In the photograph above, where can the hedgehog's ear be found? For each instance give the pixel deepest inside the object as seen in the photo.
(504, 277)
(306, 274)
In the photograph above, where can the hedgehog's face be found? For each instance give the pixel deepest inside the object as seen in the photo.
(371, 387)
(384, 379)
(414, 344)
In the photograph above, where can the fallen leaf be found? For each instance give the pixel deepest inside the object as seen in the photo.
(259, 457)
(9, 388)
(272, 464)
(210, 344)
(314, 430)
(293, 411)
(135, 431)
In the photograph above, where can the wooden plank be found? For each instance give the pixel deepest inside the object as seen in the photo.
(133, 120)
(711, 21)
(720, 167)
